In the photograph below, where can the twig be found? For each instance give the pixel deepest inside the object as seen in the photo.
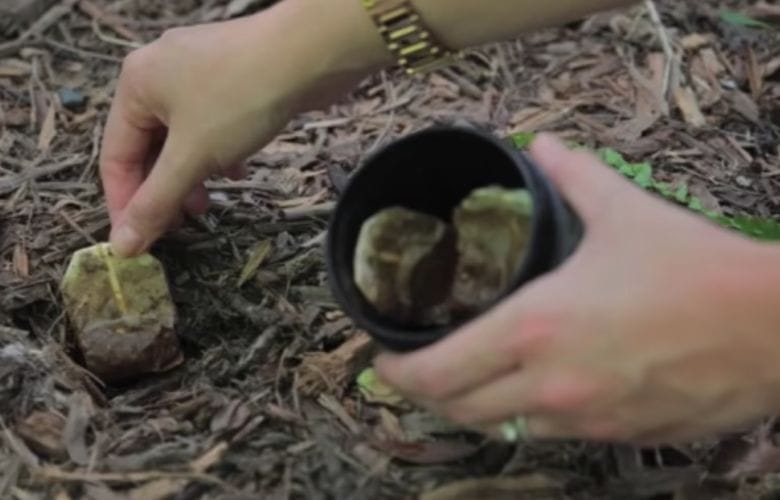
(9, 185)
(48, 19)
(54, 473)
(110, 20)
(666, 45)
(319, 210)
(77, 228)
(82, 52)
(14, 46)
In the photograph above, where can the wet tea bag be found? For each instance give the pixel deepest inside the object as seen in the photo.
(493, 225)
(404, 264)
(419, 270)
(122, 313)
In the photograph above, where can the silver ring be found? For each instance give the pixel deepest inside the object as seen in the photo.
(515, 430)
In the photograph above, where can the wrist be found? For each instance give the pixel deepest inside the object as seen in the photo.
(337, 37)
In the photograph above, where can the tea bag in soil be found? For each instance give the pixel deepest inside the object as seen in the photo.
(422, 271)
(122, 314)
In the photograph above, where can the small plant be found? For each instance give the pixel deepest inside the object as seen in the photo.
(760, 228)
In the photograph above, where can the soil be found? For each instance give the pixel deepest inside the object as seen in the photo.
(265, 404)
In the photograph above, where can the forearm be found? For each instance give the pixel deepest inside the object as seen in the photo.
(468, 23)
(343, 30)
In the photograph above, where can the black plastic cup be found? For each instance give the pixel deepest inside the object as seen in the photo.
(432, 171)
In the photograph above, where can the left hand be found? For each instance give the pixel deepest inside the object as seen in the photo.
(662, 327)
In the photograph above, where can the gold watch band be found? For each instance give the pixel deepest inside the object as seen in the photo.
(406, 35)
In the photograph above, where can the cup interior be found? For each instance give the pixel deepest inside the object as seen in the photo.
(429, 171)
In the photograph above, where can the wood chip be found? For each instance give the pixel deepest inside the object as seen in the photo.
(695, 41)
(48, 129)
(689, 106)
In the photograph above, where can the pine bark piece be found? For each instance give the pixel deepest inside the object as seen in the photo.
(15, 14)
(122, 314)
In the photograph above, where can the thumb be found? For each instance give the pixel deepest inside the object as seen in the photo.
(158, 201)
(585, 181)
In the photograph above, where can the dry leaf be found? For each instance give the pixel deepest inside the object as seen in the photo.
(428, 452)
(238, 7)
(231, 417)
(48, 129)
(42, 431)
(712, 62)
(689, 106)
(160, 489)
(695, 41)
(165, 488)
(755, 74)
(501, 488)
(737, 458)
(745, 106)
(256, 258)
(14, 68)
(333, 371)
(210, 458)
(21, 261)
(74, 434)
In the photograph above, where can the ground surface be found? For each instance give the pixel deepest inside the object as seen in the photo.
(265, 405)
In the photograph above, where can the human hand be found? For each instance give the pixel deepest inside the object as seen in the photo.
(660, 328)
(200, 99)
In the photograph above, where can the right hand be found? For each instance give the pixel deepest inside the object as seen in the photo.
(199, 100)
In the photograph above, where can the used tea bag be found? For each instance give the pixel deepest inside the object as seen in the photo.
(404, 264)
(493, 225)
(122, 313)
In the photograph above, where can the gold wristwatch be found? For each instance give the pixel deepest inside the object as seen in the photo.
(406, 35)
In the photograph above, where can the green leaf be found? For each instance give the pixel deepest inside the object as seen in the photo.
(765, 229)
(756, 227)
(522, 140)
(696, 205)
(739, 19)
(613, 159)
(375, 390)
(644, 175)
(681, 194)
(256, 258)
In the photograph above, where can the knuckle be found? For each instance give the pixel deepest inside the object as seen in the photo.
(152, 216)
(534, 332)
(133, 62)
(567, 394)
(433, 383)
(461, 415)
(173, 35)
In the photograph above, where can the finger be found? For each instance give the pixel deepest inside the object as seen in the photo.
(589, 185)
(489, 347)
(197, 202)
(129, 134)
(159, 199)
(524, 393)
(527, 428)
(237, 172)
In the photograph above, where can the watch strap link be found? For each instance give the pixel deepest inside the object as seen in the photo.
(406, 35)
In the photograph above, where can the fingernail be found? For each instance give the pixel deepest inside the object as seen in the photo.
(126, 242)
